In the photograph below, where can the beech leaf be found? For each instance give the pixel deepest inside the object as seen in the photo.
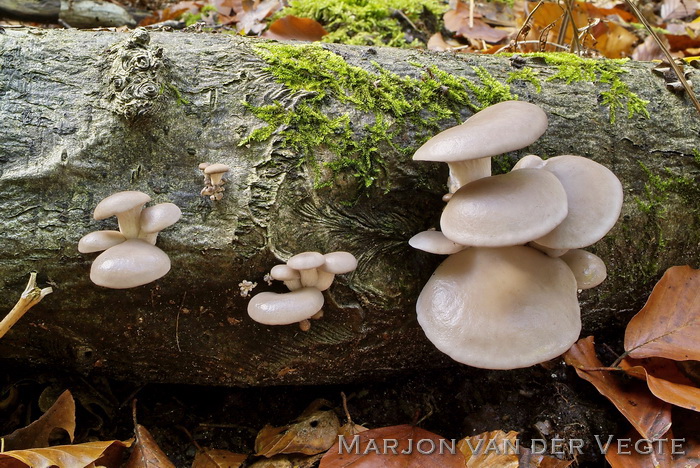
(372, 451)
(146, 453)
(660, 453)
(63, 456)
(497, 449)
(650, 416)
(669, 323)
(213, 458)
(61, 415)
(293, 28)
(314, 432)
(665, 381)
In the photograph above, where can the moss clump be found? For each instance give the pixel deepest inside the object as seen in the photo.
(572, 68)
(526, 74)
(395, 105)
(368, 22)
(192, 18)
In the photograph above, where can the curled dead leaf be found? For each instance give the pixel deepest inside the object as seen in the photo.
(146, 453)
(668, 325)
(61, 415)
(650, 416)
(213, 458)
(665, 381)
(66, 456)
(293, 28)
(313, 432)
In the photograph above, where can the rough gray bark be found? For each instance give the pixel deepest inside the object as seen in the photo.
(65, 144)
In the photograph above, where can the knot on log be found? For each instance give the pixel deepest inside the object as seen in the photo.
(135, 76)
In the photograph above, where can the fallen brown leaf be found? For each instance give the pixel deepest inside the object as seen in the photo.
(383, 447)
(146, 453)
(293, 28)
(212, 458)
(665, 381)
(498, 449)
(63, 456)
(649, 415)
(313, 432)
(251, 13)
(61, 415)
(669, 323)
(660, 454)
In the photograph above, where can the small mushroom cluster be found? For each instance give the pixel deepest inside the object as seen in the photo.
(130, 257)
(213, 180)
(306, 275)
(506, 297)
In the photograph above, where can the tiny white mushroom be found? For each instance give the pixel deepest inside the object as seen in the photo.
(337, 263)
(283, 309)
(216, 173)
(99, 240)
(289, 275)
(126, 206)
(156, 218)
(435, 242)
(307, 263)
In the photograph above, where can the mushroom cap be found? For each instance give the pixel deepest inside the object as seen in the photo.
(284, 273)
(434, 242)
(500, 308)
(282, 309)
(339, 262)
(589, 270)
(531, 161)
(99, 240)
(204, 165)
(216, 168)
(129, 264)
(506, 209)
(503, 127)
(306, 260)
(120, 202)
(594, 196)
(157, 217)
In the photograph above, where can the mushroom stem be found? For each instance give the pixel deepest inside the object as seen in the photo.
(150, 237)
(30, 297)
(324, 281)
(309, 277)
(463, 172)
(293, 285)
(129, 222)
(317, 315)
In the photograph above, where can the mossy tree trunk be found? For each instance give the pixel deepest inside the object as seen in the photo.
(319, 139)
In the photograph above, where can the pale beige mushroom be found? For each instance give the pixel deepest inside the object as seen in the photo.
(99, 240)
(156, 218)
(132, 263)
(336, 263)
(467, 148)
(283, 309)
(435, 242)
(589, 270)
(306, 263)
(126, 206)
(501, 308)
(594, 197)
(503, 210)
(289, 275)
(547, 250)
(216, 173)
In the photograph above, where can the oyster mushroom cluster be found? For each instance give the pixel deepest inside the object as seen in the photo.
(130, 257)
(506, 297)
(306, 275)
(213, 180)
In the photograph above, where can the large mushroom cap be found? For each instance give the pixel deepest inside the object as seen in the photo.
(503, 210)
(129, 264)
(503, 127)
(282, 309)
(157, 217)
(500, 308)
(120, 202)
(594, 196)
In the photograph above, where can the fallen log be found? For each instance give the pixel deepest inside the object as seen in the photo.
(319, 139)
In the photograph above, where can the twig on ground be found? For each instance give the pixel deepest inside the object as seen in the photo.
(30, 297)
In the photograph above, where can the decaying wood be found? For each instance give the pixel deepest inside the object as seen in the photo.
(66, 141)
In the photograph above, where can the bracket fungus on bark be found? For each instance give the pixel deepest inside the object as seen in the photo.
(494, 302)
(306, 275)
(130, 257)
